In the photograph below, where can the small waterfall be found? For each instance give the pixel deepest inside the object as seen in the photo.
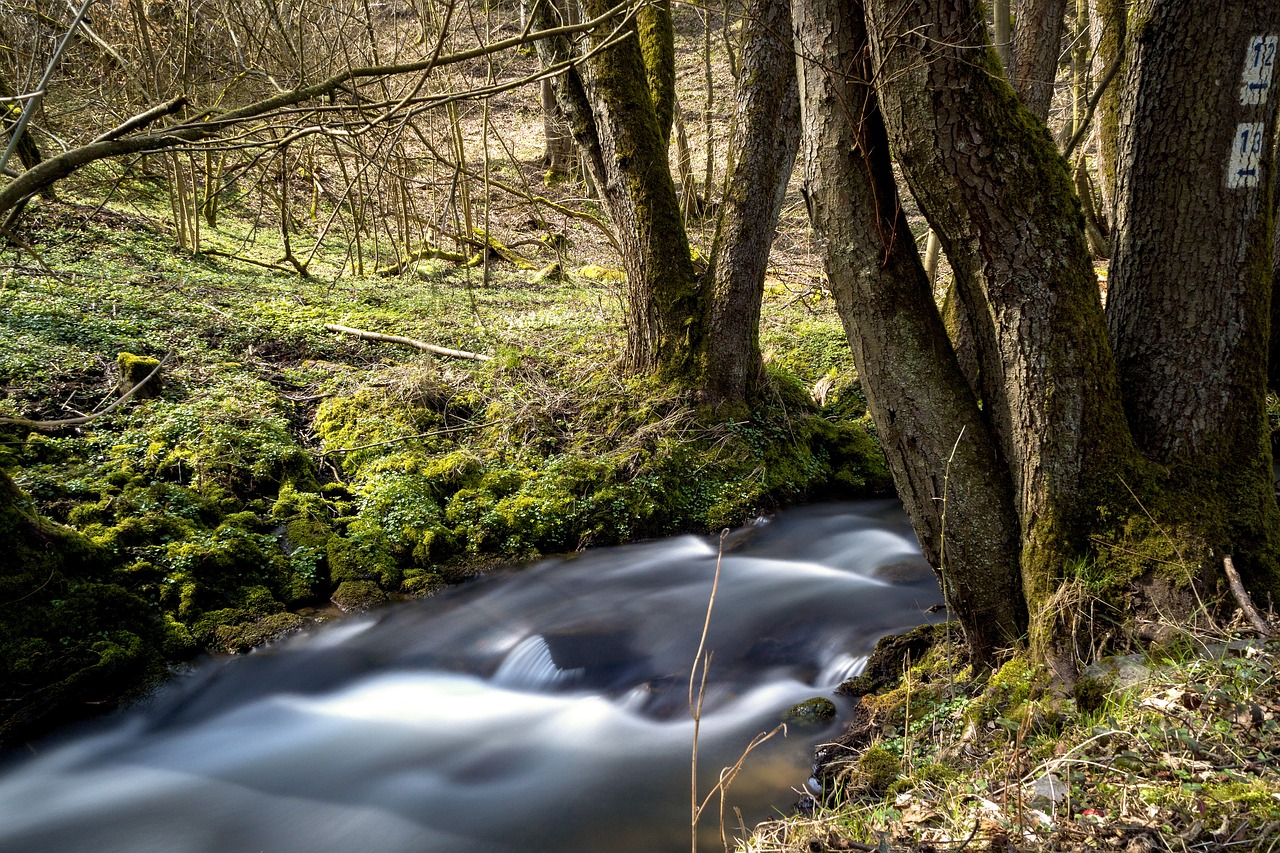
(530, 667)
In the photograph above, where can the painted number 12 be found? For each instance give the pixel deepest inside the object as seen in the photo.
(1259, 68)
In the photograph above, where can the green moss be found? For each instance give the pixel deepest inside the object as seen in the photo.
(133, 370)
(1252, 797)
(358, 595)
(594, 272)
(237, 639)
(876, 770)
(817, 710)
(1091, 693)
(1009, 695)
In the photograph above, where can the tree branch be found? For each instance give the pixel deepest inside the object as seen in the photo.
(409, 342)
(56, 168)
(1242, 598)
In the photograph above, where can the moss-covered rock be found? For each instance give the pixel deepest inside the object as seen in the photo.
(236, 639)
(134, 370)
(358, 595)
(876, 770)
(70, 636)
(815, 711)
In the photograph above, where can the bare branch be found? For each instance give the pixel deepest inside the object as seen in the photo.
(409, 342)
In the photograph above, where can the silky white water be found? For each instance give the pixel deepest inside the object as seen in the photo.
(538, 709)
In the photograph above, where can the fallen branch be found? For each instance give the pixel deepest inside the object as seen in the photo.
(409, 342)
(427, 253)
(84, 419)
(1242, 598)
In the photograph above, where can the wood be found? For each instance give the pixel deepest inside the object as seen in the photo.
(84, 419)
(1242, 598)
(918, 396)
(764, 153)
(39, 178)
(409, 342)
(1037, 40)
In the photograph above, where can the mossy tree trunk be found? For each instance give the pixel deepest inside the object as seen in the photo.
(767, 137)
(1001, 198)
(994, 187)
(1037, 43)
(1190, 287)
(941, 451)
(617, 108)
(699, 330)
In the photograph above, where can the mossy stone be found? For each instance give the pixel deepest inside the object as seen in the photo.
(236, 639)
(813, 711)
(358, 595)
(134, 369)
(877, 769)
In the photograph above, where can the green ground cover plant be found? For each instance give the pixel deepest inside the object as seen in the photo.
(275, 470)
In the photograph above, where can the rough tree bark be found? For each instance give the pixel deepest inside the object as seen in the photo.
(941, 452)
(1037, 44)
(615, 106)
(1110, 27)
(1190, 287)
(998, 193)
(995, 188)
(767, 137)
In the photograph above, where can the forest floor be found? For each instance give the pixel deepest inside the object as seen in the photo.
(277, 471)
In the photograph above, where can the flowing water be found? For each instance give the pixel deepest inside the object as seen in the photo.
(539, 709)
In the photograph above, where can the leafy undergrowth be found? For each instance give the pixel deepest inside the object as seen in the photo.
(1174, 750)
(277, 469)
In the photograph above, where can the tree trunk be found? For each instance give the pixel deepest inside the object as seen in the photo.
(1110, 27)
(1192, 358)
(767, 136)
(1273, 358)
(28, 151)
(992, 183)
(1003, 37)
(1037, 44)
(615, 105)
(940, 450)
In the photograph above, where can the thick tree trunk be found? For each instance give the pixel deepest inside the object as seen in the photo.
(620, 119)
(766, 138)
(1273, 357)
(940, 450)
(1037, 44)
(994, 186)
(1192, 358)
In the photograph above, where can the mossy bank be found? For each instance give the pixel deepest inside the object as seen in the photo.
(274, 469)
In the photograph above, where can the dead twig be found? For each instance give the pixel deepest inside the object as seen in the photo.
(1242, 598)
(409, 342)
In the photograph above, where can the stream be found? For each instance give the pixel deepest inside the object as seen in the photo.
(543, 709)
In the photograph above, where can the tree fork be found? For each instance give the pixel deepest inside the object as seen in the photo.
(992, 183)
(941, 452)
(767, 136)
